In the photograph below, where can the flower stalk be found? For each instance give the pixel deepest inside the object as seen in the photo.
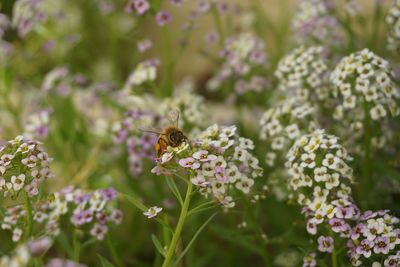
(29, 217)
(177, 233)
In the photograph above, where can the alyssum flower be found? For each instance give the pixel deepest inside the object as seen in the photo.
(24, 165)
(393, 23)
(241, 54)
(314, 22)
(218, 161)
(375, 237)
(364, 84)
(303, 73)
(319, 179)
(91, 210)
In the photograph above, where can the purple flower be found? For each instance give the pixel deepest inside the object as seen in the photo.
(163, 17)
(325, 244)
(39, 246)
(365, 248)
(211, 37)
(338, 225)
(141, 6)
(101, 217)
(80, 198)
(144, 45)
(392, 261)
(357, 231)
(220, 174)
(176, 2)
(81, 217)
(381, 245)
(311, 227)
(108, 193)
(368, 215)
(116, 216)
(203, 6)
(63, 263)
(189, 163)
(99, 231)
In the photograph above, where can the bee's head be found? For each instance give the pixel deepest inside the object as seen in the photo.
(177, 137)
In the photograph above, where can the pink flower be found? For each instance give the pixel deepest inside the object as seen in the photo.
(203, 155)
(189, 163)
(163, 17)
(141, 6)
(325, 244)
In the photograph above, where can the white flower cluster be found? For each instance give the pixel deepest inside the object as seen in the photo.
(193, 111)
(85, 208)
(37, 124)
(23, 167)
(61, 81)
(314, 23)
(303, 73)
(144, 72)
(393, 23)
(27, 14)
(242, 54)
(218, 161)
(363, 81)
(20, 257)
(319, 175)
(284, 123)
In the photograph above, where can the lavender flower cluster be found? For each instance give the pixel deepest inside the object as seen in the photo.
(140, 144)
(86, 210)
(241, 54)
(314, 22)
(27, 14)
(393, 23)
(37, 125)
(376, 237)
(218, 161)
(23, 167)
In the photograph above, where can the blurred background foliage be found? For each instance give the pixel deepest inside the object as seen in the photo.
(101, 46)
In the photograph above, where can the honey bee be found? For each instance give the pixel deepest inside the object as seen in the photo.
(170, 136)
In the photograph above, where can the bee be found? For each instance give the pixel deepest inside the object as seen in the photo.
(171, 136)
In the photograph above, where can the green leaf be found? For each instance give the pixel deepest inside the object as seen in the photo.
(172, 185)
(158, 245)
(236, 238)
(65, 245)
(203, 206)
(135, 201)
(104, 262)
(194, 238)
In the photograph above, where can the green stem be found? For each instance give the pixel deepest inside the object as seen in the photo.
(376, 24)
(367, 143)
(179, 227)
(113, 252)
(75, 246)
(218, 24)
(29, 218)
(334, 258)
(168, 64)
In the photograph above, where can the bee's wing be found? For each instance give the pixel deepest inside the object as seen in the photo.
(173, 117)
(151, 130)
